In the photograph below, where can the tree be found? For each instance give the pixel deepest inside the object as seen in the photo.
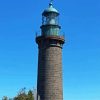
(30, 95)
(5, 98)
(22, 95)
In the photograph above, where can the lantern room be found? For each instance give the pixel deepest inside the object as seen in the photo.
(50, 21)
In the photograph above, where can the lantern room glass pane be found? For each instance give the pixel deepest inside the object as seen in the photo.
(50, 20)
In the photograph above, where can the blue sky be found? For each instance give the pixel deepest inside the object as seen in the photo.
(80, 21)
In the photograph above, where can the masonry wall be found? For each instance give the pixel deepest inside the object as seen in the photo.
(49, 86)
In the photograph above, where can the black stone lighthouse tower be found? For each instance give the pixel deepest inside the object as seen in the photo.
(50, 42)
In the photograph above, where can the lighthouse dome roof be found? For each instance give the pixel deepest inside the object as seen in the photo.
(50, 9)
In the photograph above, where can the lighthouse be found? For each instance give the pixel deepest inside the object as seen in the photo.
(50, 43)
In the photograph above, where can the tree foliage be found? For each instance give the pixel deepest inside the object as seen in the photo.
(30, 95)
(5, 98)
(22, 95)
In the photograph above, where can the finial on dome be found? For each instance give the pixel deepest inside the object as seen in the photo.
(50, 4)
